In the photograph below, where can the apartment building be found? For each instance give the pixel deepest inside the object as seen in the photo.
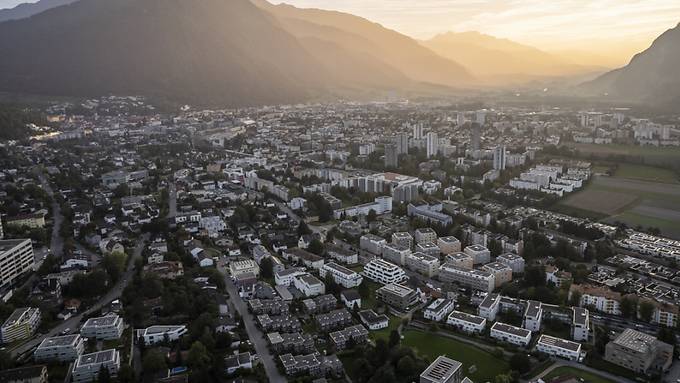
(319, 304)
(489, 306)
(304, 257)
(295, 342)
(341, 275)
(468, 323)
(639, 352)
(428, 248)
(474, 279)
(396, 253)
(384, 272)
(402, 238)
(461, 260)
(16, 258)
(557, 347)
(443, 370)
(533, 315)
(502, 273)
(87, 366)
(374, 321)
(335, 319)
(398, 296)
(448, 245)
(280, 323)
(21, 324)
(342, 255)
(158, 334)
(65, 348)
(268, 306)
(103, 328)
(314, 365)
(479, 254)
(580, 324)
(511, 334)
(600, 297)
(514, 261)
(309, 285)
(356, 334)
(286, 277)
(237, 268)
(424, 264)
(372, 244)
(425, 235)
(439, 309)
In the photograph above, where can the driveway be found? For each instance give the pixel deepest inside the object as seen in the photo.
(256, 336)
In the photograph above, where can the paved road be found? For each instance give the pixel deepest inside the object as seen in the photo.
(57, 243)
(172, 199)
(74, 322)
(256, 336)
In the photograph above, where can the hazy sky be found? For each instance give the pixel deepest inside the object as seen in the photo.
(13, 3)
(544, 23)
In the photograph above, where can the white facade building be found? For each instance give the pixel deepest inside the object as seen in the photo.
(103, 328)
(511, 334)
(559, 347)
(381, 271)
(439, 309)
(158, 334)
(65, 348)
(471, 324)
(341, 275)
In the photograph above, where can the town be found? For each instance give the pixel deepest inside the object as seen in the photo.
(345, 242)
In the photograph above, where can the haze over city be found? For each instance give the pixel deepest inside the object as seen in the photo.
(368, 191)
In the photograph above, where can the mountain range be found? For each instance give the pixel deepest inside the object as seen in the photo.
(248, 52)
(651, 77)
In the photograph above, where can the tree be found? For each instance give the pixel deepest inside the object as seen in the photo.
(667, 335)
(364, 290)
(406, 366)
(126, 374)
(646, 309)
(395, 338)
(629, 307)
(303, 229)
(154, 361)
(503, 378)
(325, 212)
(372, 216)
(104, 376)
(520, 362)
(267, 268)
(198, 357)
(316, 247)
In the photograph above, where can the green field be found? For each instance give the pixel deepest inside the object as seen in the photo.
(646, 173)
(431, 346)
(385, 333)
(576, 373)
(650, 154)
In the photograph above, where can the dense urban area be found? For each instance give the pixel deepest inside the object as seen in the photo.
(346, 242)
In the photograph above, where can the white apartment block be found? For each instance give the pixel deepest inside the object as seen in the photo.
(424, 264)
(511, 334)
(425, 235)
(533, 314)
(402, 238)
(580, 324)
(474, 279)
(396, 253)
(559, 347)
(103, 328)
(461, 260)
(372, 244)
(16, 258)
(381, 271)
(514, 261)
(489, 307)
(161, 333)
(237, 268)
(87, 366)
(468, 323)
(502, 273)
(449, 245)
(21, 324)
(479, 254)
(65, 348)
(601, 298)
(439, 309)
(341, 275)
(342, 255)
(286, 277)
(665, 315)
(309, 285)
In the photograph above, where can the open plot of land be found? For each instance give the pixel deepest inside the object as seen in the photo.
(634, 202)
(600, 201)
(650, 154)
(486, 366)
(562, 372)
(646, 173)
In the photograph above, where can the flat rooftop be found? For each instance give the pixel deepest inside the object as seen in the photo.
(96, 357)
(558, 342)
(102, 321)
(9, 244)
(467, 317)
(509, 329)
(57, 341)
(441, 370)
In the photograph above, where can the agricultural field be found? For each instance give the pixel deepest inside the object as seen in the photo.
(630, 197)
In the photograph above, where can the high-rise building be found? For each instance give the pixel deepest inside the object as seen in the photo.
(460, 118)
(584, 119)
(499, 158)
(476, 136)
(16, 258)
(418, 131)
(401, 141)
(480, 117)
(391, 156)
(432, 144)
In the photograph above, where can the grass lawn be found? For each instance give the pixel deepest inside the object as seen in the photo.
(385, 333)
(646, 173)
(370, 302)
(574, 372)
(651, 154)
(431, 346)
